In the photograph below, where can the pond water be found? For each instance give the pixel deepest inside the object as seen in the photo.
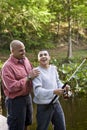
(75, 110)
(75, 113)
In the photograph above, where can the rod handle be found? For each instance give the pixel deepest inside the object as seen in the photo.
(64, 85)
(56, 95)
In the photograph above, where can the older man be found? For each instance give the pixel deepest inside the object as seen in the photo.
(17, 75)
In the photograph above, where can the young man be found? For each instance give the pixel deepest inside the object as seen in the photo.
(16, 77)
(45, 87)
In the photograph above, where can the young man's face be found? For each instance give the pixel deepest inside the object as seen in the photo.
(43, 58)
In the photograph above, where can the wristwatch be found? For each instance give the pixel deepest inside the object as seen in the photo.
(29, 77)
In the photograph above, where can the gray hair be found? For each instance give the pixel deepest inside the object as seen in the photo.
(14, 44)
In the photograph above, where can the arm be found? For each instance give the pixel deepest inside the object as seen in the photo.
(41, 92)
(59, 83)
(10, 81)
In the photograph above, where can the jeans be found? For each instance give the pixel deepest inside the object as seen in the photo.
(53, 113)
(19, 112)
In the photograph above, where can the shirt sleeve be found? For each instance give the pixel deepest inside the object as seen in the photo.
(40, 92)
(10, 82)
(59, 82)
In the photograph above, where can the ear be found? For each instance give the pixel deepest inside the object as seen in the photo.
(12, 50)
(49, 58)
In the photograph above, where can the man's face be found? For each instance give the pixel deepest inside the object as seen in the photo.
(19, 51)
(43, 58)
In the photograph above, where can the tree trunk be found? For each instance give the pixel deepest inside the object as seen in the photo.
(69, 55)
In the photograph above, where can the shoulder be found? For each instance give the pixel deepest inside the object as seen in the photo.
(7, 67)
(6, 64)
(38, 68)
(26, 58)
(53, 66)
(27, 61)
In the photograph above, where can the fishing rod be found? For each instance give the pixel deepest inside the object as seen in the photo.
(69, 79)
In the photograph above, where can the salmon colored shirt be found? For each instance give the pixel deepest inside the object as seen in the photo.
(14, 77)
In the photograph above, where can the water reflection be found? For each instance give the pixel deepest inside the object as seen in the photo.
(75, 113)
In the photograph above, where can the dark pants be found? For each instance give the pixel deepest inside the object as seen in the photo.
(53, 113)
(19, 112)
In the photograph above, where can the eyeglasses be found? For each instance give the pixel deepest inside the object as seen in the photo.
(44, 54)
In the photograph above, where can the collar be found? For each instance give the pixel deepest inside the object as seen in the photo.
(16, 61)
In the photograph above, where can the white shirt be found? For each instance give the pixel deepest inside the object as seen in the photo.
(45, 84)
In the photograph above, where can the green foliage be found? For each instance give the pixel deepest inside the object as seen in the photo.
(34, 21)
(24, 20)
(1, 64)
(78, 82)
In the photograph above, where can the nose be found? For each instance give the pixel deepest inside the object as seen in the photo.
(23, 51)
(43, 55)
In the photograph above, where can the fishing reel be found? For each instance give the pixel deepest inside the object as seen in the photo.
(67, 94)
